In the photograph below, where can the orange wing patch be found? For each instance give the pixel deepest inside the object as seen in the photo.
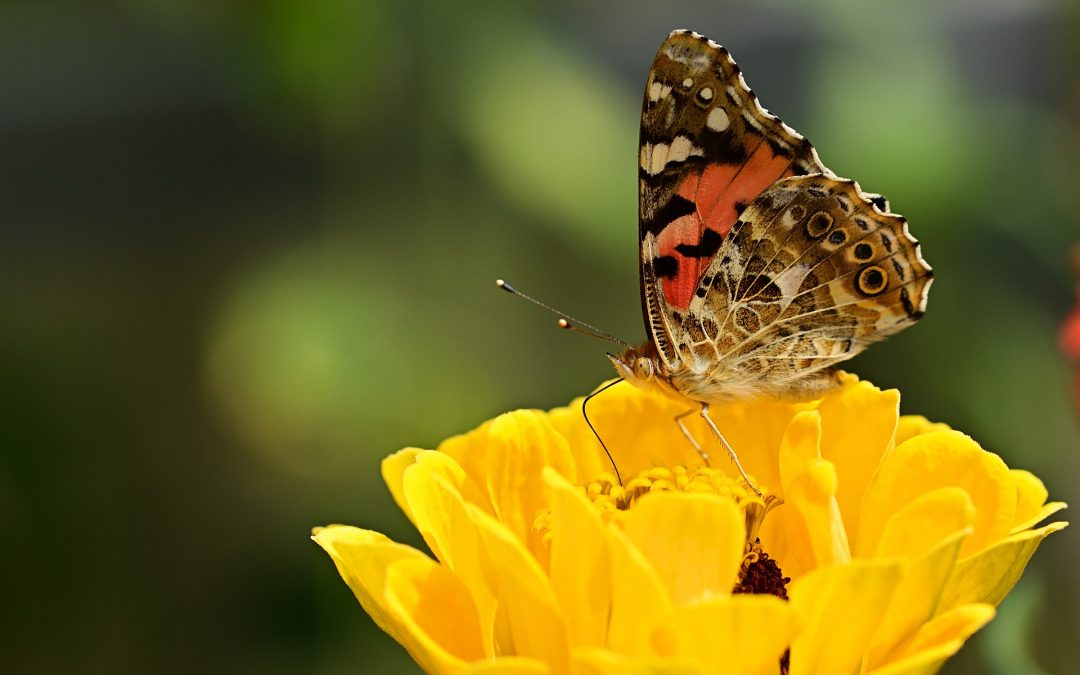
(719, 192)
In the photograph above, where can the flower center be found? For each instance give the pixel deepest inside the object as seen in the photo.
(760, 574)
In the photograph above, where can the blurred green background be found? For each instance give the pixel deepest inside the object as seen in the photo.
(248, 250)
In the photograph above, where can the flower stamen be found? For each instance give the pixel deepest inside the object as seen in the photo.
(607, 494)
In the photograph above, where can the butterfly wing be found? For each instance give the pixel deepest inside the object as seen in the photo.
(707, 150)
(811, 273)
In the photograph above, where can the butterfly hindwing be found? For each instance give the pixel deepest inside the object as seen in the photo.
(810, 274)
(707, 150)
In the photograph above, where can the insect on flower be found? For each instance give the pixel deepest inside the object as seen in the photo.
(760, 269)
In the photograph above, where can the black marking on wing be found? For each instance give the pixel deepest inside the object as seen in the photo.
(666, 266)
(725, 148)
(675, 208)
(778, 149)
(905, 300)
(887, 242)
(706, 247)
(899, 268)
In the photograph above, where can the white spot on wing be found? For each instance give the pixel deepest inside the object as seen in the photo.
(749, 117)
(659, 159)
(645, 156)
(682, 148)
(654, 158)
(688, 82)
(658, 90)
(790, 280)
(717, 119)
(706, 94)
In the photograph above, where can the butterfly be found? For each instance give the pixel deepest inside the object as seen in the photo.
(760, 268)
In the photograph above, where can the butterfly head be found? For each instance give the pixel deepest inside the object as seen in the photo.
(637, 365)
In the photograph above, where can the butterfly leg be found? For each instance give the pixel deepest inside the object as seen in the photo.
(690, 437)
(727, 446)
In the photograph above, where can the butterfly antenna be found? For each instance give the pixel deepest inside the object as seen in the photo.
(565, 321)
(585, 414)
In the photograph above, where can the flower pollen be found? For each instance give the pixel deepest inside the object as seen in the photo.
(606, 493)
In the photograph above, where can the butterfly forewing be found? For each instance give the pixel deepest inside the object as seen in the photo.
(707, 150)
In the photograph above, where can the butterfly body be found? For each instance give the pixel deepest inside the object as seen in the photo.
(760, 268)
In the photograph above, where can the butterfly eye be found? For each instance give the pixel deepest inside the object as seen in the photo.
(643, 368)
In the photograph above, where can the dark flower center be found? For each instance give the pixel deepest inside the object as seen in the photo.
(761, 575)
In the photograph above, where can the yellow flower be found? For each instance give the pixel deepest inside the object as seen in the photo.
(899, 537)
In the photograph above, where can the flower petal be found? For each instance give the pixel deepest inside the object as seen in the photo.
(1031, 506)
(469, 450)
(858, 422)
(839, 608)
(743, 634)
(910, 426)
(1047, 510)
(639, 601)
(988, 576)
(438, 612)
(930, 461)
(506, 665)
(594, 661)
(1031, 493)
(819, 531)
(814, 534)
(528, 612)
(581, 563)
(694, 542)
(800, 445)
(441, 516)
(916, 598)
(363, 559)
(428, 487)
(521, 444)
(924, 522)
(938, 640)
(393, 472)
(927, 534)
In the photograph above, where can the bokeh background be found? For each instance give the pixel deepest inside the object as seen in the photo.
(248, 250)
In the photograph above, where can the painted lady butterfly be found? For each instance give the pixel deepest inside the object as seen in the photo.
(760, 268)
